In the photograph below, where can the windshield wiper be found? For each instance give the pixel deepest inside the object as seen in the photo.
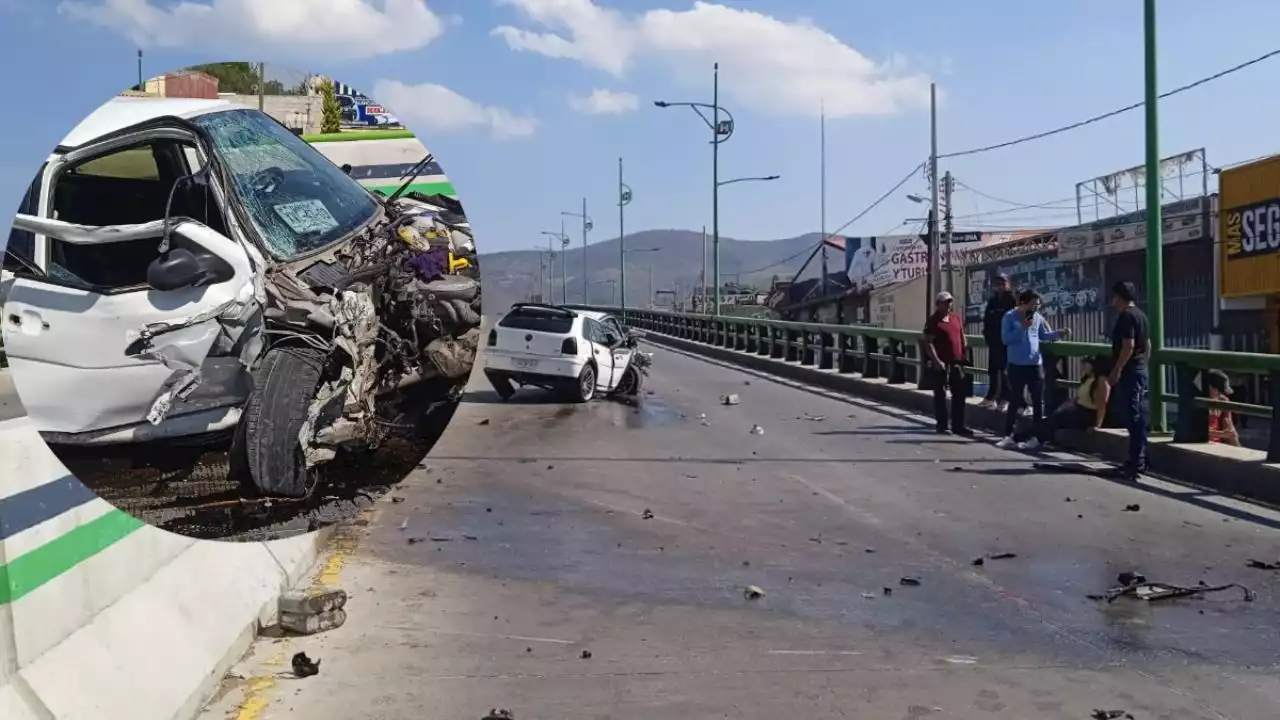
(410, 176)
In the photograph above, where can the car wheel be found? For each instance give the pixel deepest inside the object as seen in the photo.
(584, 388)
(267, 445)
(501, 385)
(632, 380)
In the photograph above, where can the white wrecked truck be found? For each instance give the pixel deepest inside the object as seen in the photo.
(191, 269)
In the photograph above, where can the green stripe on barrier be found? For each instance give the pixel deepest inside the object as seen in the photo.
(354, 135)
(26, 573)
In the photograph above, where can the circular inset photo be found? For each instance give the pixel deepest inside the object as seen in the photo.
(240, 304)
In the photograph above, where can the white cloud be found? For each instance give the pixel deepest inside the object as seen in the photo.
(430, 108)
(342, 29)
(784, 67)
(605, 102)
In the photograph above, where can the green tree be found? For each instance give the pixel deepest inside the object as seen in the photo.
(331, 121)
(240, 78)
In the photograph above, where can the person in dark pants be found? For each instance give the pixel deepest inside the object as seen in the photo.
(945, 348)
(1130, 349)
(997, 356)
(1022, 330)
(1087, 408)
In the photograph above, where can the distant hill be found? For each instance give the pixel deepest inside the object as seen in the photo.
(677, 265)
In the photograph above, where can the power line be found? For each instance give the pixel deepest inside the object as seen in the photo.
(1113, 113)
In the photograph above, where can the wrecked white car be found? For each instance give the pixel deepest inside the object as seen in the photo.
(190, 269)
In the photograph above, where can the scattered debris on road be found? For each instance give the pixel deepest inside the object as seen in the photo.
(404, 524)
(1136, 585)
(1001, 556)
(304, 666)
(396, 499)
(909, 581)
(1135, 507)
(812, 418)
(1110, 715)
(730, 399)
(647, 514)
(586, 654)
(310, 613)
(979, 562)
(757, 430)
(415, 540)
(1068, 500)
(1264, 565)
(499, 715)
(485, 421)
(751, 592)
(887, 590)
(869, 596)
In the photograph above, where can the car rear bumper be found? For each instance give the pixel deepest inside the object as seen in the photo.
(517, 366)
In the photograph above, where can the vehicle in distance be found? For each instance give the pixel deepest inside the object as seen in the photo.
(190, 269)
(578, 354)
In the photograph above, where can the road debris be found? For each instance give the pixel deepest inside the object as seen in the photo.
(415, 540)
(499, 715)
(751, 592)
(730, 399)
(397, 499)
(757, 430)
(702, 416)
(1001, 556)
(868, 596)
(909, 581)
(1136, 585)
(813, 418)
(1110, 715)
(887, 590)
(1135, 507)
(404, 524)
(304, 666)
(1263, 565)
(979, 562)
(485, 421)
(586, 655)
(647, 514)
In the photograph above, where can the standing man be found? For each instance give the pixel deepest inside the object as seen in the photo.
(1023, 329)
(945, 348)
(1130, 350)
(998, 357)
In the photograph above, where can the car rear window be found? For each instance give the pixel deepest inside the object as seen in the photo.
(538, 321)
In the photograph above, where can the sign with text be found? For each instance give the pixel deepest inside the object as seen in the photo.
(1184, 221)
(1252, 230)
(874, 262)
(1066, 288)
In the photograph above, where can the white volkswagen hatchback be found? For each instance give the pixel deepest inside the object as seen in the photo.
(187, 267)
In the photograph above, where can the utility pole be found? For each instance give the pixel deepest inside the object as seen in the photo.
(947, 227)
(262, 85)
(702, 295)
(933, 189)
(930, 232)
(564, 265)
(650, 283)
(141, 87)
(551, 271)
(542, 269)
(584, 251)
(1155, 219)
(823, 194)
(715, 186)
(624, 199)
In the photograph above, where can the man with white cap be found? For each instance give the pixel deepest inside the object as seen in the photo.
(945, 350)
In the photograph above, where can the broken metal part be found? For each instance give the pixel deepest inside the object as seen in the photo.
(1152, 591)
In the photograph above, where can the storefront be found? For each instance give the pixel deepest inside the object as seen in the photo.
(1249, 225)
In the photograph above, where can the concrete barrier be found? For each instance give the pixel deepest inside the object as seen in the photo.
(103, 617)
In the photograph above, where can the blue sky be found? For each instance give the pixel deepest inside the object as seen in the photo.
(498, 107)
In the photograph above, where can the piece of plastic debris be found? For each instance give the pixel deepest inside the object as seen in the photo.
(1130, 578)
(1152, 591)
(415, 540)
(979, 562)
(485, 421)
(497, 714)
(909, 581)
(1110, 715)
(1001, 556)
(1135, 507)
(310, 624)
(397, 499)
(304, 666)
(1263, 565)
(757, 430)
(869, 596)
(586, 654)
(887, 590)
(441, 538)
(730, 399)
(647, 514)
(702, 416)
(751, 592)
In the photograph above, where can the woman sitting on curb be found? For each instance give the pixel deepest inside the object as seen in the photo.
(1085, 410)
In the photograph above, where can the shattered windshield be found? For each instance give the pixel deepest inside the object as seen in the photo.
(298, 201)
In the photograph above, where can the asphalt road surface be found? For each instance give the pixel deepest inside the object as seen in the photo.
(524, 543)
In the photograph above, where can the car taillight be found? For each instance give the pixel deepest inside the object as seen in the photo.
(569, 346)
(493, 338)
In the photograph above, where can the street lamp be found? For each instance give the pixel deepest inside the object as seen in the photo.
(644, 250)
(546, 265)
(564, 253)
(721, 130)
(933, 268)
(586, 227)
(624, 199)
(613, 290)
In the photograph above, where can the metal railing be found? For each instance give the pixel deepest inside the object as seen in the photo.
(894, 354)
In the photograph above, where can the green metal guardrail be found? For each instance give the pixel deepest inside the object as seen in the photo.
(888, 353)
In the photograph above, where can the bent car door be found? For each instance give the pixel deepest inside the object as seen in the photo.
(619, 351)
(89, 355)
(594, 332)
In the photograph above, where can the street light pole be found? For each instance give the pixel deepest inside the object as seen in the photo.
(715, 191)
(934, 255)
(702, 296)
(584, 251)
(1155, 219)
(624, 199)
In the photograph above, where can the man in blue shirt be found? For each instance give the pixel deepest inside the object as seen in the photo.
(1023, 329)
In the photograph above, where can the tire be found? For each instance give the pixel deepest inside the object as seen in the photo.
(501, 385)
(632, 382)
(267, 440)
(584, 388)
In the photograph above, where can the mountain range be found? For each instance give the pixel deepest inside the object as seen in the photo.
(675, 257)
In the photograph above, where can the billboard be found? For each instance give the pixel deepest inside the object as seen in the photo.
(1065, 288)
(874, 262)
(1184, 221)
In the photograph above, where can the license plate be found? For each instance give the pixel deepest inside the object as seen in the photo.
(526, 364)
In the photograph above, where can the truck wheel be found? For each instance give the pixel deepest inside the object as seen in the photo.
(501, 385)
(284, 386)
(584, 388)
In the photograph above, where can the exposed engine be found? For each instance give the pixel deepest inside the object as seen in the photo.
(397, 306)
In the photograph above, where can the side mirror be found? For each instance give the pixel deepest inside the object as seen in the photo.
(181, 268)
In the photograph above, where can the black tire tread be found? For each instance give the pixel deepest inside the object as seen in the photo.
(284, 385)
